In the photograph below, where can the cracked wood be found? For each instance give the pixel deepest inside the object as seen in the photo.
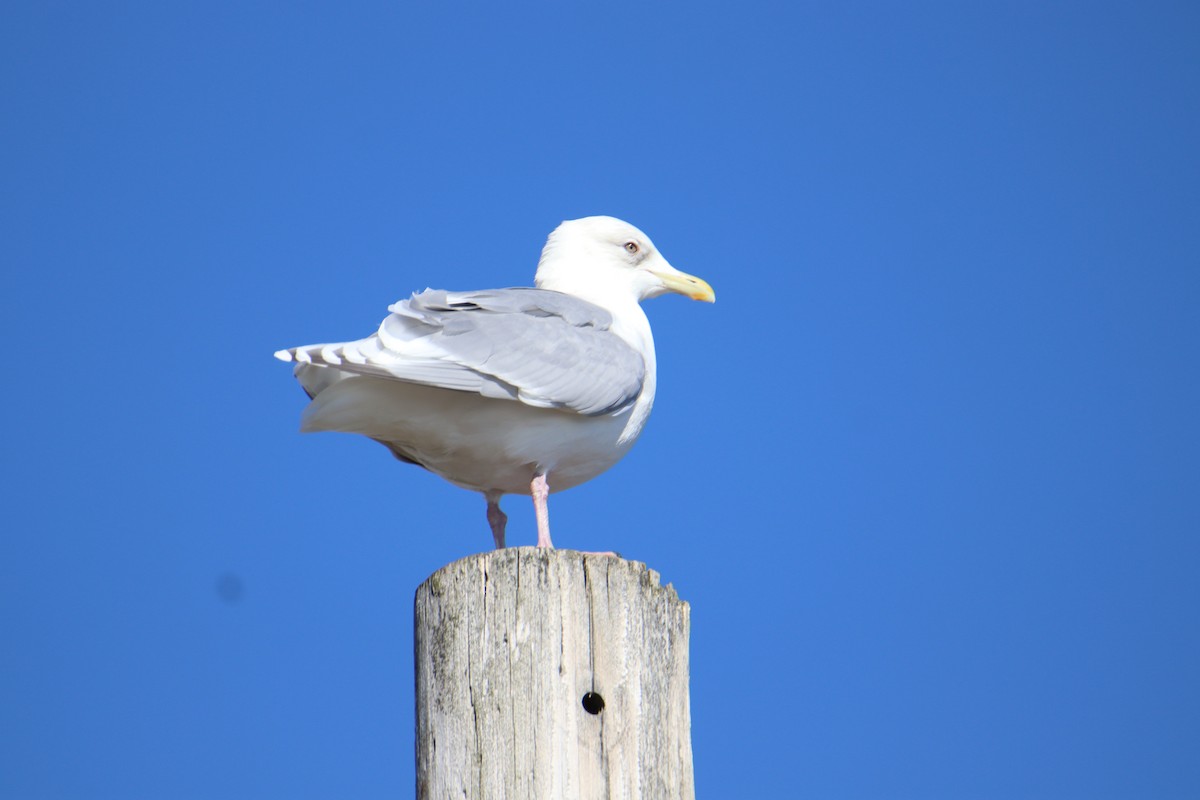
(508, 643)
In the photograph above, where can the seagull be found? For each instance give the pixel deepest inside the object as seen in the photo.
(509, 391)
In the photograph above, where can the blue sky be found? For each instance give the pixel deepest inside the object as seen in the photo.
(927, 472)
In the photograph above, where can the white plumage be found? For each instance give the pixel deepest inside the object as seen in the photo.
(509, 391)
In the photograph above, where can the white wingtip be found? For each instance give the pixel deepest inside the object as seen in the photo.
(283, 355)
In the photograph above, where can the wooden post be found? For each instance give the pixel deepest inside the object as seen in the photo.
(551, 674)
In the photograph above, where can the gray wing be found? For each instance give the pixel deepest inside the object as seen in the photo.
(542, 348)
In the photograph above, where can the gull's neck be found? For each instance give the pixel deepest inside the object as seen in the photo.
(615, 296)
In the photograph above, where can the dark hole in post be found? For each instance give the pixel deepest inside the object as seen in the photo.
(593, 703)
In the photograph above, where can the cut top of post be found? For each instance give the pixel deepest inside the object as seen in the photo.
(551, 673)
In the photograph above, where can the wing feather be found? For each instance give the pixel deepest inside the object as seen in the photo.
(545, 349)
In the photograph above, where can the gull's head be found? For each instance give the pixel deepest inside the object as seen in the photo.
(607, 261)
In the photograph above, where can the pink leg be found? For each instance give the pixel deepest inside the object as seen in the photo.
(496, 518)
(541, 491)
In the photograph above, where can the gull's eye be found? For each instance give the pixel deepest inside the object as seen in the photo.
(631, 247)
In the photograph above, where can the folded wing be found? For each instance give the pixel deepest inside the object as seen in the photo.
(545, 349)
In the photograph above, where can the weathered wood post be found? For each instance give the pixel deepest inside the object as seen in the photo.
(551, 674)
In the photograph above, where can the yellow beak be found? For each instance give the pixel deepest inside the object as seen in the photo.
(686, 285)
